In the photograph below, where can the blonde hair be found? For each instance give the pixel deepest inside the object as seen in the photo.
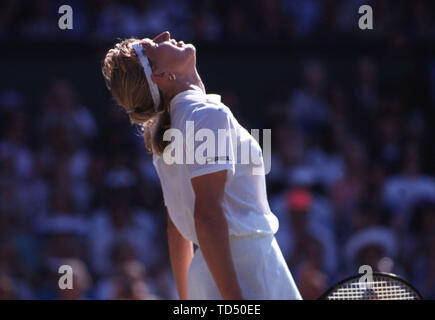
(126, 80)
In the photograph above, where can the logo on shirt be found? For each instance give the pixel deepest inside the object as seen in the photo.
(217, 159)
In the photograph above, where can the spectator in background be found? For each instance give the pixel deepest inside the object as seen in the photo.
(347, 14)
(376, 247)
(311, 281)
(237, 23)
(365, 95)
(127, 279)
(19, 251)
(419, 248)
(288, 18)
(38, 19)
(424, 269)
(389, 142)
(118, 220)
(289, 151)
(62, 214)
(7, 288)
(270, 19)
(115, 19)
(64, 162)
(304, 14)
(82, 281)
(403, 190)
(308, 108)
(21, 183)
(365, 214)
(14, 146)
(9, 16)
(299, 233)
(60, 242)
(366, 85)
(346, 192)
(61, 107)
(129, 283)
(14, 276)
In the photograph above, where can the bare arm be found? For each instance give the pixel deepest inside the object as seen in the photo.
(181, 254)
(212, 231)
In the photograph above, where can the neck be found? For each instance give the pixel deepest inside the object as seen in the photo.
(185, 82)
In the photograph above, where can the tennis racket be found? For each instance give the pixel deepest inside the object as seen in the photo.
(384, 286)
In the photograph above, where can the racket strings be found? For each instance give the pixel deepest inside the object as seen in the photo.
(381, 288)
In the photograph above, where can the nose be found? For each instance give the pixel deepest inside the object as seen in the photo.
(164, 36)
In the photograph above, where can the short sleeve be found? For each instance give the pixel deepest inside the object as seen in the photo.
(210, 141)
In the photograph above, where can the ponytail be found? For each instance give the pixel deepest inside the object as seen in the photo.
(155, 129)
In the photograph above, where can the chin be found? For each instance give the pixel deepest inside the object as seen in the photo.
(191, 51)
(190, 47)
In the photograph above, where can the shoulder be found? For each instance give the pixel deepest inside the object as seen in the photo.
(210, 111)
(205, 110)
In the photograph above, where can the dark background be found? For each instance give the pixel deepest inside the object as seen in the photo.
(352, 177)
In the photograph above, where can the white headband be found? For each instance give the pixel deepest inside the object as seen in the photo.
(147, 69)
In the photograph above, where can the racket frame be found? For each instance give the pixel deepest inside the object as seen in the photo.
(325, 295)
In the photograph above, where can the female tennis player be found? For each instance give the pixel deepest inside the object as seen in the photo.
(219, 204)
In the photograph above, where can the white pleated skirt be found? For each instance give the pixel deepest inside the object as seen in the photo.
(261, 269)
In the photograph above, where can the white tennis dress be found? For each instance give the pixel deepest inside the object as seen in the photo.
(259, 263)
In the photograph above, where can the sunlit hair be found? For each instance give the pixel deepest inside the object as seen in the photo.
(125, 78)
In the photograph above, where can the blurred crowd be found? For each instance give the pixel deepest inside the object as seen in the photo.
(77, 192)
(353, 169)
(352, 177)
(215, 20)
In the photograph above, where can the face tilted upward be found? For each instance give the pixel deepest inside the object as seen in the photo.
(168, 54)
